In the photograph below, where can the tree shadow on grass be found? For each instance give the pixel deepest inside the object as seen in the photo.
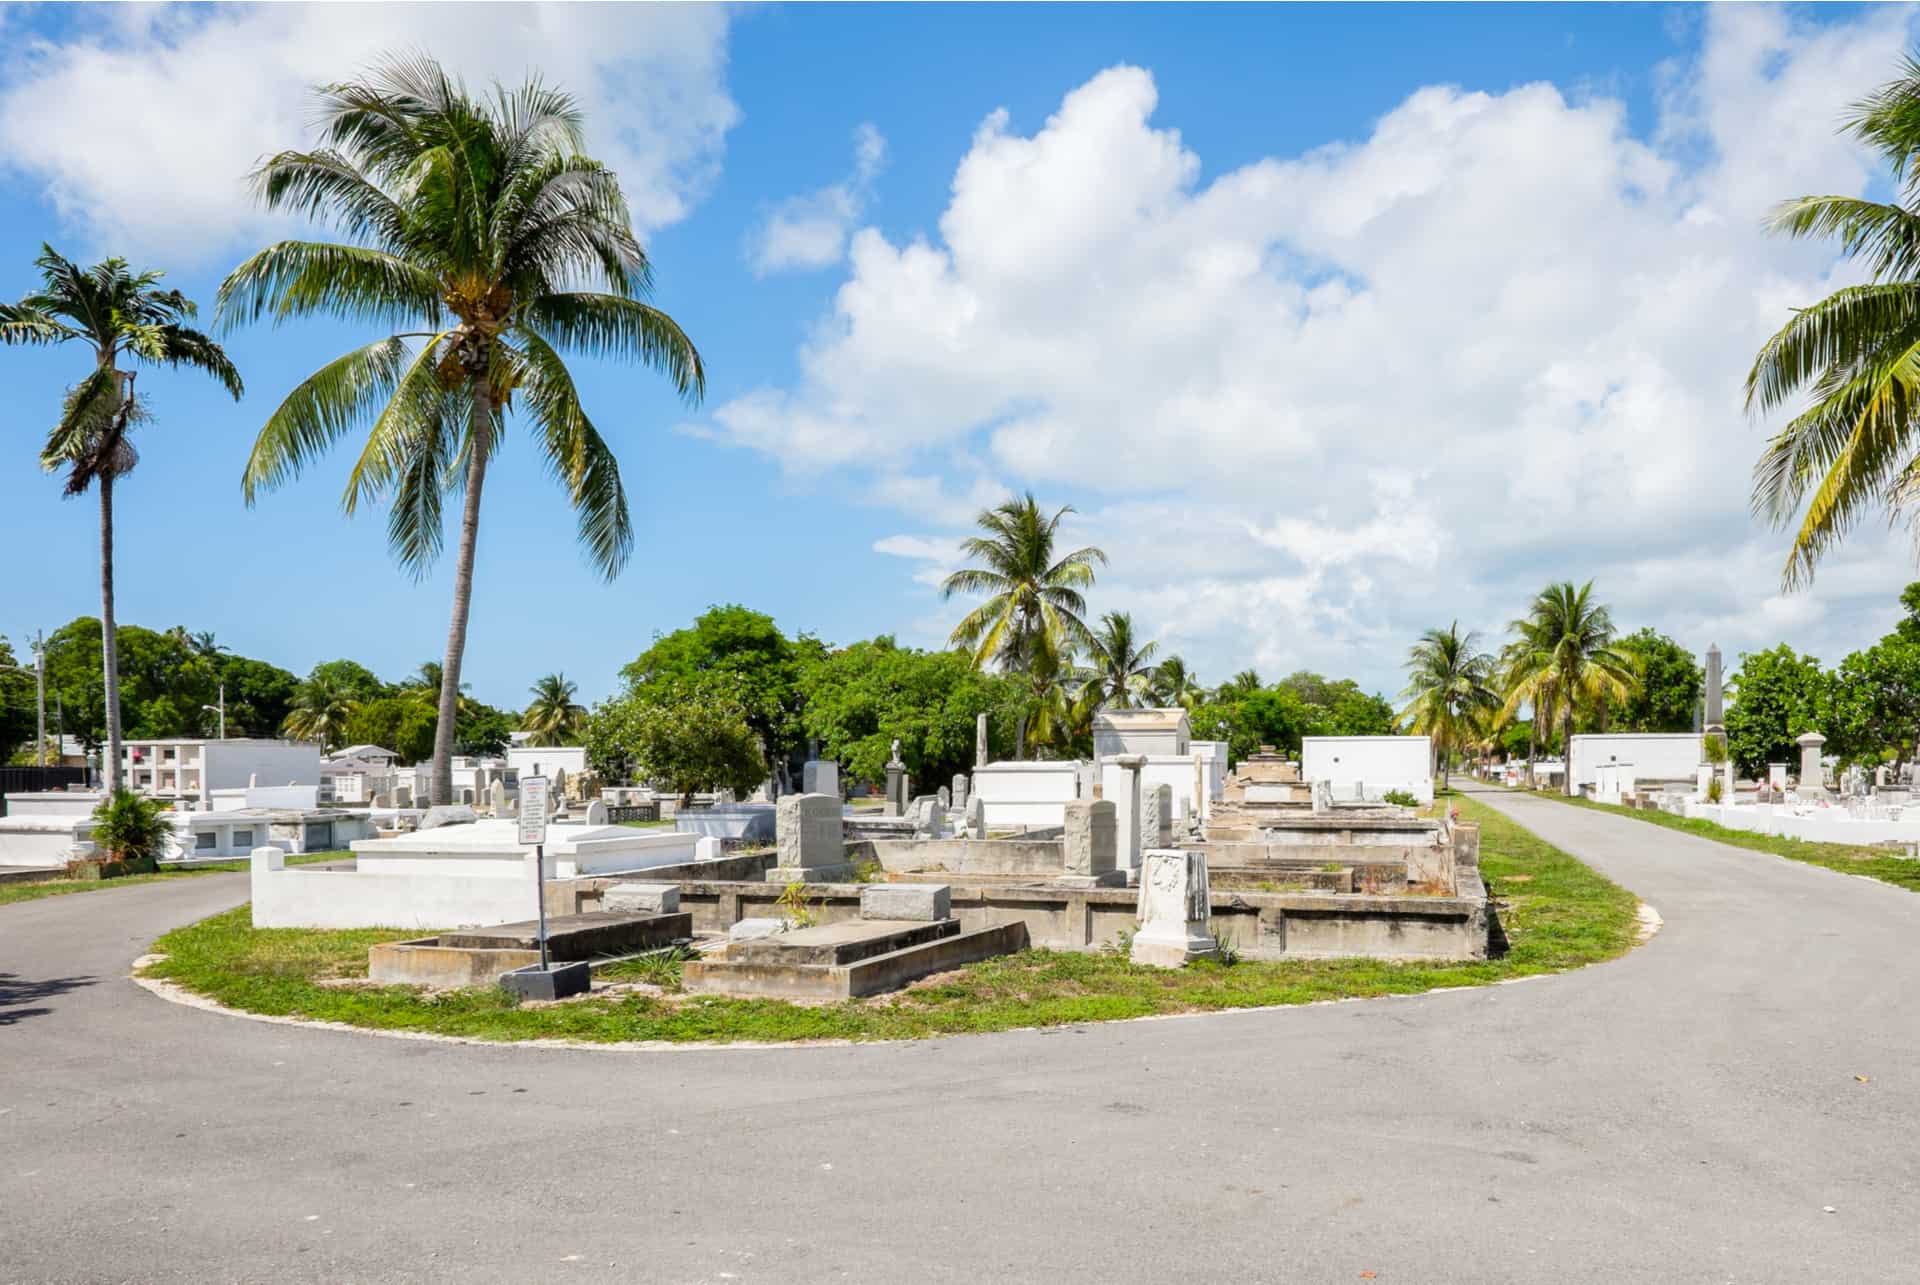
(17, 993)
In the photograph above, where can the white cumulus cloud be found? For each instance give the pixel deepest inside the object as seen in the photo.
(811, 231)
(144, 121)
(1317, 403)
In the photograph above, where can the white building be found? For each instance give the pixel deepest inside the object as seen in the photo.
(357, 773)
(1364, 768)
(545, 760)
(1159, 733)
(186, 771)
(1653, 756)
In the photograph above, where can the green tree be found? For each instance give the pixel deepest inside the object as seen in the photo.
(117, 313)
(1244, 683)
(1564, 654)
(259, 695)
(19, 707)
(320, 713)
(700, 743)
(1174, 684)
(401, 725)
(1119, 666)
(554, 717)
(1667, 682)
(1853, 448)
(1777, 696)
(737, 657)
(471, 221)
(482, 730)
(1032, 620)
(1448, 679)
(859, 699)
(351, 677)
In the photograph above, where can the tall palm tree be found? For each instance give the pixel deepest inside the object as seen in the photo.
(1448, 680)
(1244, 683)
(1174, 684)
(1522, 683)
(1564, 651)
(554, 718)
(1031, 622)
(117, 313)
(1856, 447)
(319, 713)
(1119, 669)
(478, 229)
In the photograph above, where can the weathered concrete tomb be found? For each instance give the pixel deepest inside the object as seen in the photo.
(478, 956)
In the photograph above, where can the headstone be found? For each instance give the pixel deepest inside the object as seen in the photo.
(928, 817)
(403, 796)
(709, 847)
(560, 786)
(1812, 776)
(810, 836)
(959, 794)
(383, 800)
(820, 776)
(921, 902)
(642, 898)
(596, 813)
(497, 803)
(976, 817)
(1881, 775)
(1089, 844)
(980, 741)
(1127, 846)
(897, 784)
(753, 929)
(946, 798)
(1174, 906)
(1156, 816)
(1322, 798)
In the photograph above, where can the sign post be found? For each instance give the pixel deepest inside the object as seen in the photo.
(533, 829)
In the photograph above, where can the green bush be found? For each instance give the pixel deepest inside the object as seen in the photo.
(130, 827)
(1400, 798)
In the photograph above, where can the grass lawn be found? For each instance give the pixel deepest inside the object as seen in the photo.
(12, 892)
(1871, 862)
(1557, 914)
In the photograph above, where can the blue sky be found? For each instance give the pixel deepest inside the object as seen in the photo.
(1334, 323)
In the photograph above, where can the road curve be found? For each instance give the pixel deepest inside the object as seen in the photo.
(1689, 1112)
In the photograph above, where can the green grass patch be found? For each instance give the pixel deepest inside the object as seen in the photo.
(12, 892)
(1874, 863)
(1556, 912)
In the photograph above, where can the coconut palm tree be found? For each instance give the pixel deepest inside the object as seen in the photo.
(1118, 668)
(1563, 652)
(554, 718)
(1174, 684)
(1856, 447)
(118, 313)
(319, 713)
(1448, 681)
(1031, 622)
(1522, 683)
(478, 229)
(1244, 683)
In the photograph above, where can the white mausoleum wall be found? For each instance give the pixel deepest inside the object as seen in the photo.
(1031, 794)
(1375, 763)
(1654, 756)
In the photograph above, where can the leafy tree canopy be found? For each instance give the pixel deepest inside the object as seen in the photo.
(1667, 693)
(1778, 695)
(735, 656)
(860, 698)
(699, 743)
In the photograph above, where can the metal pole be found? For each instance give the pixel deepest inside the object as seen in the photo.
(540, 885)
(40, 688)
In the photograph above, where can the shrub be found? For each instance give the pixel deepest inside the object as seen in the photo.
(130, 827)
(1713, 787)
(1400, 798)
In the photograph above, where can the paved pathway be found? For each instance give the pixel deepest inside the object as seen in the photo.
(1684, 1113)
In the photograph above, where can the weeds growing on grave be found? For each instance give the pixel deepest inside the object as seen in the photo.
(1556, 914)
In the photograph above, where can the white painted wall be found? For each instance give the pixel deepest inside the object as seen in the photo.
(1031, 794)
(1820, 825)
(265, 796)
(1655, 756)
(305, 898)
(229, 764)
(1373, 763)
(530, 760)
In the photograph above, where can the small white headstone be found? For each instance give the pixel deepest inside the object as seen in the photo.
(709, 847)
(1174, 905)
(596, 813)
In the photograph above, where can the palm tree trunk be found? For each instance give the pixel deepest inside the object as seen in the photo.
(109, 639)
(1566, 743)
(445, 730)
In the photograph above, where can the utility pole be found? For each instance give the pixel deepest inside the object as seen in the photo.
(40, 692)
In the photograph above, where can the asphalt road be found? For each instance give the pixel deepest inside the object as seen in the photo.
(1687, 1113)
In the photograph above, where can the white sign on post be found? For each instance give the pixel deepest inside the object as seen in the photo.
(533, 809)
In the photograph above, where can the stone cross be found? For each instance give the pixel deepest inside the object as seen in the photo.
(1175, 906)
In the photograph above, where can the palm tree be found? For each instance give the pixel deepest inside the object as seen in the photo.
(1244, 683)
(1523, 683)
(1174, 684)
(1448, 680)
(1031, 622)
(1564, 654)
(1118, 668)
(554, 718)
(320, 711)
(470, 221)
(118, 313)
(1857, 446)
